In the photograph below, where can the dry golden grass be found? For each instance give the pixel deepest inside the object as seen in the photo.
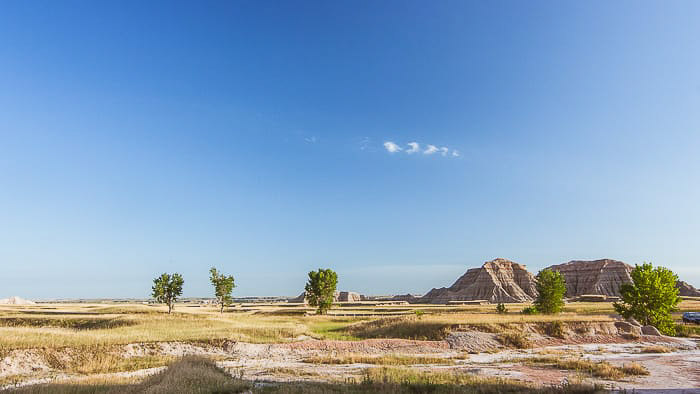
(99, 359)
(199, 376)
(599, 369)
(59, 330)
(656, 349)
(189, 375)
(76, 325)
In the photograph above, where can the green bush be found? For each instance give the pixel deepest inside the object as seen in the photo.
(530, 310)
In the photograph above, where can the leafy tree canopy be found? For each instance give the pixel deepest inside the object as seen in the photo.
(167, 288)
(223, 287)
(551, 288)
(651, 297)
(320, 289)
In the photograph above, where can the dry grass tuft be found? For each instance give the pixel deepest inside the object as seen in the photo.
(656, 349)
(602, 369)
(189, 375)
(517, 340)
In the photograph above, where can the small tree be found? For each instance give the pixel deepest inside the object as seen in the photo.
(650, 298)
(551, 289)
(167, 288)
(320, 289)
(223, 287)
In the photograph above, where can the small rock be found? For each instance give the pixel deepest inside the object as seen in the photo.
(651, 330)
(634, 322)
(627, 328)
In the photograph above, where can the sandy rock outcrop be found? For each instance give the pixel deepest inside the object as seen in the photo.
(349, 296)
(686, 290)
(594, 277)
(498, 280)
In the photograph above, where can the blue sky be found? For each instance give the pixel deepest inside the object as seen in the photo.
(143, 137)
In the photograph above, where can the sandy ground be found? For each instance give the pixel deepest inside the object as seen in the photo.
(674, 372)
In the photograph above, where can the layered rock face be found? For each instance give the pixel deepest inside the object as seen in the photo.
(499, 280)
(594, 277)
(686, 290)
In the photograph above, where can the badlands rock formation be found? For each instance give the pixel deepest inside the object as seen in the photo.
(16, 301)
(604, 277)
(594, 277)
(686, 290)
(499, 280)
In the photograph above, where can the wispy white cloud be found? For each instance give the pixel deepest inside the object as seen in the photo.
(430, 150)
(311, 140)
(414, 147)
(392, 147)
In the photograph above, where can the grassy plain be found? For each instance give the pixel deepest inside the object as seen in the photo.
(85, 325)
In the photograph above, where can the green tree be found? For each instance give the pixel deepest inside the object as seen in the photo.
(650, 298)
(551, 289)
(320, 289)
(167, 288)
(223, 287)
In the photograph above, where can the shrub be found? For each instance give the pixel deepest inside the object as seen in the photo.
(530, 310)
(501, 308)
(514, 339)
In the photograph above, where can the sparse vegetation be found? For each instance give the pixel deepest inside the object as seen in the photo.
(551, 290)
(600, 369)
(517, 340)
(687, 330)
(554, 329)
(189, 375)
(656, 349)
(651, 297)
(320, 289)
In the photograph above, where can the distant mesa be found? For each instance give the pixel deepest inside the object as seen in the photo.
(16, 301)
(498, 280)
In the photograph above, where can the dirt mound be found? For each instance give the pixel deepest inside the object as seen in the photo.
(498, 280)
(16, 301)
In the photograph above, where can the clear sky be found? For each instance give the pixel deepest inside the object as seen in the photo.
(256, 136)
